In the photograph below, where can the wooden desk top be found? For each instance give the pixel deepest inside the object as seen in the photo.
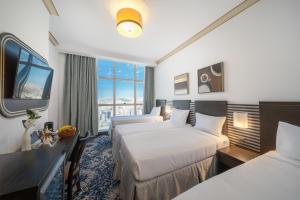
(28, 169)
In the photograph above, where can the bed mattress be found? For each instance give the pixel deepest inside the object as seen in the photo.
(268, 177)
(163, 151)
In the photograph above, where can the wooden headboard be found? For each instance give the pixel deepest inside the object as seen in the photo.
(162, 103)
(213, 108)
(270, 114)
(182, 105)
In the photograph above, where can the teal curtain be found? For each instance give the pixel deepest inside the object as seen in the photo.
(80, 93)
(149, 90)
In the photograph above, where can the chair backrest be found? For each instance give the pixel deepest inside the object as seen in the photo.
(76, 154)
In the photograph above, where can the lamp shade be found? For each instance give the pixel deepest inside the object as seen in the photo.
(240, 119)
(129, 22)
(168, 109)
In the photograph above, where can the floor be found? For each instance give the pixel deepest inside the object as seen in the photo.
(96, 171)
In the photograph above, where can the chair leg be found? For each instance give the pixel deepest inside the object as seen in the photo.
(78, 185)
(78, 182)
(70, 191)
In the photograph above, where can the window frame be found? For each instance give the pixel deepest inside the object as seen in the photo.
(115, 79)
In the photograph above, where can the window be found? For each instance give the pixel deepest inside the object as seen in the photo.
(120, 90)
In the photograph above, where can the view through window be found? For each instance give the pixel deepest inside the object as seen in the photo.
(120, 90)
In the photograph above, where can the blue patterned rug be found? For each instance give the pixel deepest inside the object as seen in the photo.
(96, 171)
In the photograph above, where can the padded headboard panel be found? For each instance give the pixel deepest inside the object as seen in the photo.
(182, 105)
(162, 103)
(270, 114)
(213, 108)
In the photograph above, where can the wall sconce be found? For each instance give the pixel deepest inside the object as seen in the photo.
(240, 119)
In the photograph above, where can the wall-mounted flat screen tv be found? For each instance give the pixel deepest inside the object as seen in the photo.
(33, 78)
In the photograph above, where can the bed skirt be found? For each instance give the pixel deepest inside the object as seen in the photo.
(117, 170)
(110, 132)
(166, 186)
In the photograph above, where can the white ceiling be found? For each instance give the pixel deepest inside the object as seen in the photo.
(88, 26)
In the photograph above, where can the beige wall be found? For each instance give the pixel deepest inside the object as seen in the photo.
(55, 110)
(260, 49)
(29, 21)
(54, 98)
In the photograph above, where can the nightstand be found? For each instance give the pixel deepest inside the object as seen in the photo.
(233, 156)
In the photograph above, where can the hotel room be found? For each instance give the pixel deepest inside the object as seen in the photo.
(149, 99)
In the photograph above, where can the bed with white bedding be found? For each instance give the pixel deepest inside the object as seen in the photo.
(152, 159)
(130, 129)
(275, 175)
(180, 107)
(156, 115)
(267, 177)
(119, 120)
(153, 154)
(164, 163)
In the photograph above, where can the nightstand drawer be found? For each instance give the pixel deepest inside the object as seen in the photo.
(228, 161)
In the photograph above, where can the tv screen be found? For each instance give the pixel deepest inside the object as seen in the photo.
(33, 78)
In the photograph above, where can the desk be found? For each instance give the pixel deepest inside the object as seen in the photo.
(23, 173)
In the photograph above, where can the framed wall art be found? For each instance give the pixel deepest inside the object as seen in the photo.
(181, 84)
(211, 79)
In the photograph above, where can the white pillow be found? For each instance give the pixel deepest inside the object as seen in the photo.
(155, 111)
(210, 124)
(179, 117)
(288, 140)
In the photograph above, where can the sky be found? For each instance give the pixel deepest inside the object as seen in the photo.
(124, 89)
(37, 76)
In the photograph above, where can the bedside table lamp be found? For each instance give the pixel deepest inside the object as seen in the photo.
(240, 119)
(168, 112)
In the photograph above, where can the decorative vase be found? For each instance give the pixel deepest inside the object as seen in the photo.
(26, 145)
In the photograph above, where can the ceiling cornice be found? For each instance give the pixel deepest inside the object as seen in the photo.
(50, 7)
(53, 40)
(221, 20)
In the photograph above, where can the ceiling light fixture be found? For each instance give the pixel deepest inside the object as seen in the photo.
(129, 22)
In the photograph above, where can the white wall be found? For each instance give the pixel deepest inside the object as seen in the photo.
(29, 21)
(54, 104)
(260, 49)
(55, 110)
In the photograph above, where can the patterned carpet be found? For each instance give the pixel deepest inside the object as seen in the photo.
(96, 171)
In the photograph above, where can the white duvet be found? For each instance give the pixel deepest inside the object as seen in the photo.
(151, 155)
(133, 119)
(129, 129)
(267, 177)
(117, 120)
